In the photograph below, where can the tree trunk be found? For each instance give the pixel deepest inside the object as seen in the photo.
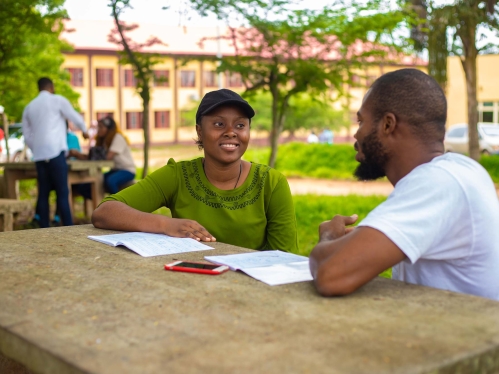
(145, 128)
(277, 123)
(474, 146)
(274, 137)
(468, 38)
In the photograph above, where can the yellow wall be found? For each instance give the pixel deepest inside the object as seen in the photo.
(487, 86)
(108, 99)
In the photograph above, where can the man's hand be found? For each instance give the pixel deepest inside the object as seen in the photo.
(336, 228)
(187, 228)
(85, 135)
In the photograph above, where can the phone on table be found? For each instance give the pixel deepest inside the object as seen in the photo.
(196, 267)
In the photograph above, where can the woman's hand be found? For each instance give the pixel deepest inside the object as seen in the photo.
(187, 228)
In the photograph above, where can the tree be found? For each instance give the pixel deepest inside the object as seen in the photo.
(305, 112)
(454, 29)
(142, 65)
(296, 51)
(30, 48)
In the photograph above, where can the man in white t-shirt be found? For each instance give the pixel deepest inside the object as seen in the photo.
(440, 225)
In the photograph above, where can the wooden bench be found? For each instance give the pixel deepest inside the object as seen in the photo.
(9, 208)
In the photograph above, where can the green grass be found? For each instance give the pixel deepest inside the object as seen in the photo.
(491, 164)
(335, 161)
(312, 210)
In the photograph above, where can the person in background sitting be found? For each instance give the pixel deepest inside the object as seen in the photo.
(72, 139)
(117, 150)
(312, 138)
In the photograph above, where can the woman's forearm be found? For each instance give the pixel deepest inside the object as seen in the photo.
(114, 215)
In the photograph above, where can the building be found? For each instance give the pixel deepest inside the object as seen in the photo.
(487, 90)
(186, 72)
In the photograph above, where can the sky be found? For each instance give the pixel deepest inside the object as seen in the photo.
(150, 11)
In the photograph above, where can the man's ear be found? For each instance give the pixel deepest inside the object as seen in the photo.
(198, 130)
(389, 123)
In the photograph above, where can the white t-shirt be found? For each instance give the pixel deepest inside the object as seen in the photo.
(123, 159)
(444, 215)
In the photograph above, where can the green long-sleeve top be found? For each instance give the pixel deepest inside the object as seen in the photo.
(259, 214)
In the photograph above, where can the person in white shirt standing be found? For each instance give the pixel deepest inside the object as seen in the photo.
(44, 129)
(440, 225)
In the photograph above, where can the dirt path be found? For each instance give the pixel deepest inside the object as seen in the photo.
(335, 188)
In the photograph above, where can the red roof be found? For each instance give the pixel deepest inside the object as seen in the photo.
(178, 40)
(93, 35)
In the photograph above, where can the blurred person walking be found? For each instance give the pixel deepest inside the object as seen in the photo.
(44, 129)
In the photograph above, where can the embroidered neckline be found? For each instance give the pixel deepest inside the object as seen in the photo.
(207, 195)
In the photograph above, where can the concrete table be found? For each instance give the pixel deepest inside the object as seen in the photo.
(71, 305)
(9, 208)
(78, 172)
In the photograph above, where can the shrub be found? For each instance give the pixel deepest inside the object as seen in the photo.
(491, 164)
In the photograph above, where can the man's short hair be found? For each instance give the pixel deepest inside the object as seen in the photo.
(412, 96)
(44, 83)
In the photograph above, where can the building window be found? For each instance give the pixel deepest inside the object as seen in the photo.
(162, 119)
(187, 78)
(76, 76)
(210, 79)
(161, 78)
(488, 112)
(234, 80)
(130, 80)
(104, 78)
(101, 115)
(133, 120)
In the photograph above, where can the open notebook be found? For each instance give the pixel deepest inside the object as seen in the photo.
(148, 245)
(270, 267)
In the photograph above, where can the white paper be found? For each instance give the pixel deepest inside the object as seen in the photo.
(148, 245)
(255, 259)
(270, 267)
(281, 274)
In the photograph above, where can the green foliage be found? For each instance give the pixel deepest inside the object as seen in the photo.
(305, 112)
(296, 51)
(491, 164)
(30, 48)
(335, 161)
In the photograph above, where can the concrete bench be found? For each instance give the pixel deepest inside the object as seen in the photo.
(9, 209)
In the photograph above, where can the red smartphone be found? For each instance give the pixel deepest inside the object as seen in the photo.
(196, 267)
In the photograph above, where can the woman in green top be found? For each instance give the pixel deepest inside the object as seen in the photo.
(218, 197)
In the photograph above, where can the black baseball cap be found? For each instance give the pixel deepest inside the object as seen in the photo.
(224, 96)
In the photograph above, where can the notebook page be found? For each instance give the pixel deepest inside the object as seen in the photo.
(281, 274)
(148, 245)
(250, 260)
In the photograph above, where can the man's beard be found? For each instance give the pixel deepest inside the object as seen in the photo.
(375, 158)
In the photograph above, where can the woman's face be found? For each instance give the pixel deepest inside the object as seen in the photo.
(101, 130)
(225, 133)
